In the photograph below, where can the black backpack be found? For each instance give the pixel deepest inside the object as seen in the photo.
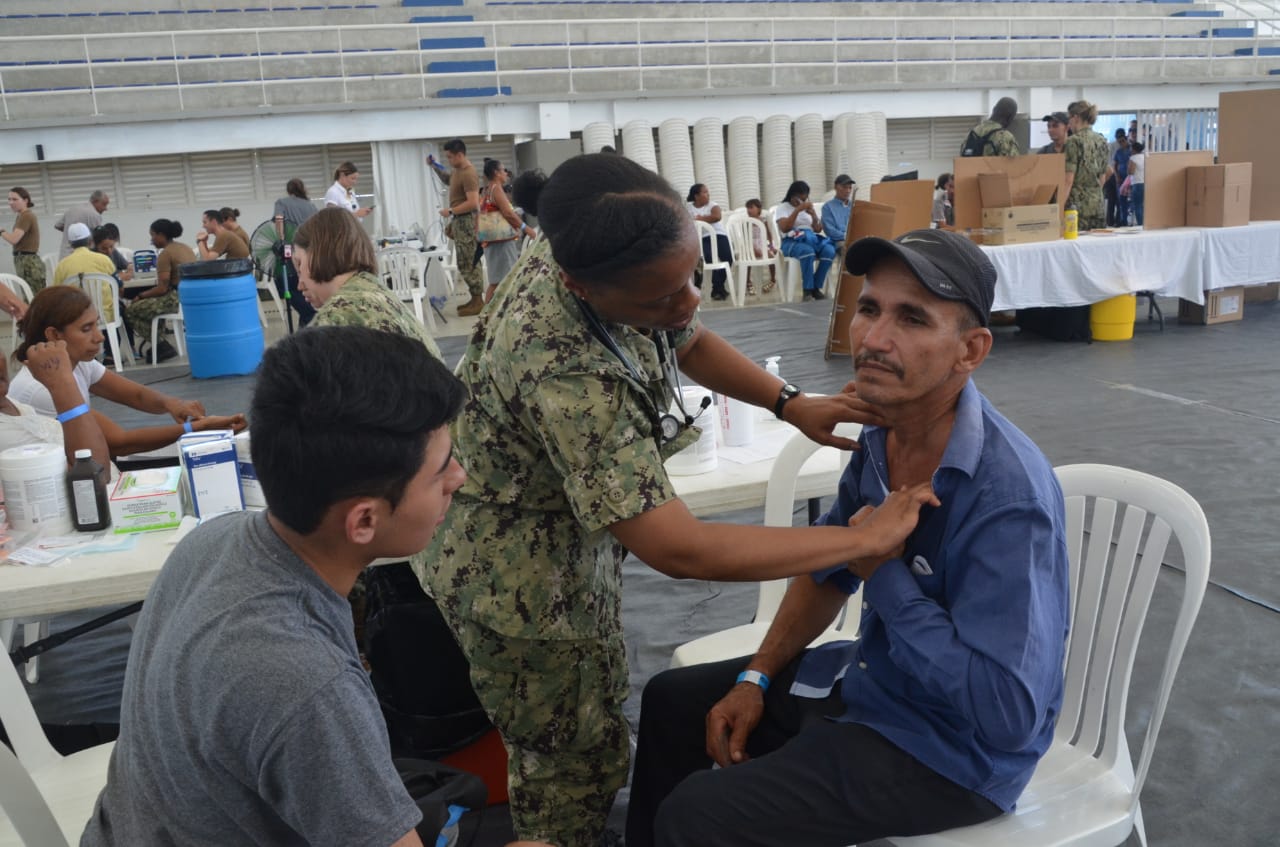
(422, 679)
(974, 144)
(452, 801)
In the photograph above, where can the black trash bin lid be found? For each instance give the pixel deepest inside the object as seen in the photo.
(215, 268)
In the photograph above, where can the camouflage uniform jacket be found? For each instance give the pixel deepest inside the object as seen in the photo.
(1001, 142)
(1087, 157)
(559, 442)
(365, 301)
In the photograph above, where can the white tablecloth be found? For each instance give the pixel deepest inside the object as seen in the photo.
(1095, 267)
(1241, 255)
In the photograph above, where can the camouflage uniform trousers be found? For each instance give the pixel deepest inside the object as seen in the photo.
(31, 269)
(462, 229)
(140, 313)
(558, 705)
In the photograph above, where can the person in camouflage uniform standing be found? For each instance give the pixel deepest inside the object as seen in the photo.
(563, 441)
(1088, 156)
(337, 274)
(25, 238)
(460, 214)
(995, 130)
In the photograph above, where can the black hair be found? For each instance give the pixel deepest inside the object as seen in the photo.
(1137, 146)
(603, 215)
(693, 191)
(323, 430)
(105, 231)
(296, 188)
(457, 145)
(214, 215)
(797, 187)
(491, 168)
(172, 230)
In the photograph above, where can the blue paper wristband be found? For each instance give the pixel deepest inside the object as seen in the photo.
(755, 677)
(186, 426)
(73, 413)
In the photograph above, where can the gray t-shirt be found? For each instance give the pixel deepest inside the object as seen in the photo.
(294, 209)
(247, 717)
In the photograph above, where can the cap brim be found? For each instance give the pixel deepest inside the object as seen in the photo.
(865, 252)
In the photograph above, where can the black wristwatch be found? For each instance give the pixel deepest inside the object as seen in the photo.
(786, 393)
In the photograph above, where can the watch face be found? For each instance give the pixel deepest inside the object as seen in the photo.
(790, 390)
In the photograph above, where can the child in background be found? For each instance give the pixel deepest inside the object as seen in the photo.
(761, 245)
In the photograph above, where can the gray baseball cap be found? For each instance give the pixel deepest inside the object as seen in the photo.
(947, 263)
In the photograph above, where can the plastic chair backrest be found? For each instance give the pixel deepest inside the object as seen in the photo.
(1112, 581)
(25, 806)
(707, 231)
(18, 717)
(102, 290)
(50, 263)
(405, 268)
(18, 286)
(742, 230)
(779, 506)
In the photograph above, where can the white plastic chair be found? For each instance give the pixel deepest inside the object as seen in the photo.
(779, 503)
(103, 290)
(742, 232)
(177, 324)
(67, 785)
(18, 286)
(50, 263)
(717, 263)
(405, 271)
(790, 276)
(1085, 790)
(449, 264)
(267, 284)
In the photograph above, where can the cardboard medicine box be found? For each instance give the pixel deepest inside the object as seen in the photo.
(1221, 306)
(146, 500)
(213, 477)
(1219, 195)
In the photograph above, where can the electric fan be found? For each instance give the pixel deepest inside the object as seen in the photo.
(262, 246)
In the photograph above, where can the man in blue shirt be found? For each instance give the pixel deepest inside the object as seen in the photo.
(937, 716)
(835, 212)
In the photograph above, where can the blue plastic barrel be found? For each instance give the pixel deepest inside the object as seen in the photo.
(220, 308)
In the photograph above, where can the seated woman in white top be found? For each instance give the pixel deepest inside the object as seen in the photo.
(702, 209)
(75, 428)
(343, 191)
(802, 238)
(64, 313)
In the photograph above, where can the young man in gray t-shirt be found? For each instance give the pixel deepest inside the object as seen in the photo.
(246, 716)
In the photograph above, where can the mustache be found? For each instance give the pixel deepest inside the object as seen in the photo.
(876, 358)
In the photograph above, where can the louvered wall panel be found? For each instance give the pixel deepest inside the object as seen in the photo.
(949, 135)
(222, 178)
(30, 177)
(281, 164)
(73, 182)
(155, 183)
(910, 140)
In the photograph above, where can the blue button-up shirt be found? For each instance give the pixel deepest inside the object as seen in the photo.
(963, 638)
(835, 219)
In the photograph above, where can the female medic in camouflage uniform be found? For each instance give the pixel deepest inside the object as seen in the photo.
(563, 441)
(1087, 159)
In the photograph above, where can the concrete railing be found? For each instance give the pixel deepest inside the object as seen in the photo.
(90, 76)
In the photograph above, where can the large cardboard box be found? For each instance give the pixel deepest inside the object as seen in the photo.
(912, 200)
(1027, 178)
(1165, 205)
(1021, 224)
(1225, 304)
(1218, 195)
(1267, 293)
(1248, 125)
(865, 220)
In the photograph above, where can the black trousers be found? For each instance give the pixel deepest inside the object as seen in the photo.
(810, 781)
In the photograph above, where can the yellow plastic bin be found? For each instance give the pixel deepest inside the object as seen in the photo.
(1112, 320)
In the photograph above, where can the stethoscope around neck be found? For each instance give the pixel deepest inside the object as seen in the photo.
(667, 424)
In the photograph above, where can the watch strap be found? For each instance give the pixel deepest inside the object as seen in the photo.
(783, 396)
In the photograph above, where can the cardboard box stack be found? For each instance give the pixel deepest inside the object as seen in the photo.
(1021, 217)
(1219, 195)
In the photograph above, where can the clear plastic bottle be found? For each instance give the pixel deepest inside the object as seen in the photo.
(87, 487)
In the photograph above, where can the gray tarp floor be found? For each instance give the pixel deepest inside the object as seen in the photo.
(1199, 406)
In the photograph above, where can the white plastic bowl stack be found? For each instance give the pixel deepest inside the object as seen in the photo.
(637, 144)
(868, 150)
(597, 135)
(840, 145)
(882, 141)
(708, 160)
(775, 163)
(811, 155)
(744, 162)
(675, 154)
